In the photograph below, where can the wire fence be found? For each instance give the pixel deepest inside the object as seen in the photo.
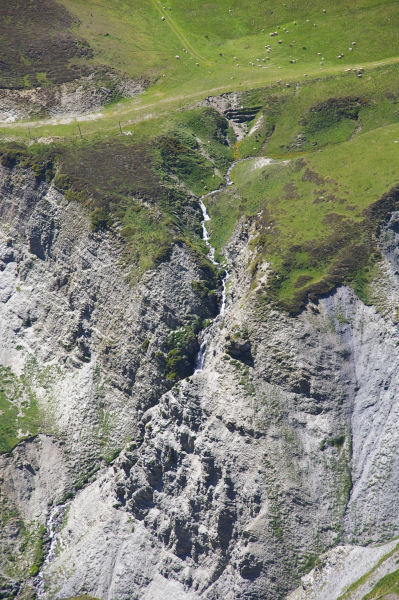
(30, 135)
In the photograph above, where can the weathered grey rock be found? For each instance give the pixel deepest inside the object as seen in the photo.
(35, 476)
(72, 325)
(230, 484)
(67, 100)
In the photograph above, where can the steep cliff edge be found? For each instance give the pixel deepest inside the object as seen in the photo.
(232, 482)
(82, 352)
(199, 338)
(249, 469)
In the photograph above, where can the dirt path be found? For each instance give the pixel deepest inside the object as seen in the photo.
(178, 33)
(126, 111)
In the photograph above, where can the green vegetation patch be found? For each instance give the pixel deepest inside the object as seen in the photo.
(19, 411)
(387, 585)
(312, 216)
(224, 43)
(22, 543)
(315, 214)
(143, 183)
(315, 217)
(196, 149)
(183, 348)
(313, 113)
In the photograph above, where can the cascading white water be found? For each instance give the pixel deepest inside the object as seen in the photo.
(200, 361)
(53, 526)
(199, 365)
(259, 162)
(224, 292)
(205, 233)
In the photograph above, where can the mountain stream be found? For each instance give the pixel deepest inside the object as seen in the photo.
(200, 361)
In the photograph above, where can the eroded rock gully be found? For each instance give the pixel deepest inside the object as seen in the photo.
(230, 483)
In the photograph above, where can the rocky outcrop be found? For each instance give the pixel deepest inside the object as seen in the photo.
(70, 99)
(82, 342)
(244, 474)
(229, 105)
(229, 483)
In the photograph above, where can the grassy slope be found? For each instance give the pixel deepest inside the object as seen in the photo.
(312, 218)
(387, 585)
(130, 35)
(214, 34)
(312, 209)
(141, 182)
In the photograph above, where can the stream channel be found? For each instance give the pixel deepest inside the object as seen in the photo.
(53, 527)
(200, 361)
(57, 513)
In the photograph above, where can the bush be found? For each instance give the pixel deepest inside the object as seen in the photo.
(99, 219)
(34, 570)
(162, 255)
(62, 181)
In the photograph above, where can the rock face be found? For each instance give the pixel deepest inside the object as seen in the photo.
(80, 338)
(77, 97)
(228, 484)
(343, 566)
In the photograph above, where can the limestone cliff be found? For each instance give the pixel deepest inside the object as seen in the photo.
(228, 483)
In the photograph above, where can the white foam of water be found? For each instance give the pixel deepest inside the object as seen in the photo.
(224, 292)
(53, 525)
(257, 163)
(200, 361)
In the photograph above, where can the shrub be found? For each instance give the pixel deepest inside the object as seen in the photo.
(99, 219)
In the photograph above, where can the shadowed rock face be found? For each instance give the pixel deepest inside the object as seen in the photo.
(240, 348)
(80, 338)
(229, 483)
